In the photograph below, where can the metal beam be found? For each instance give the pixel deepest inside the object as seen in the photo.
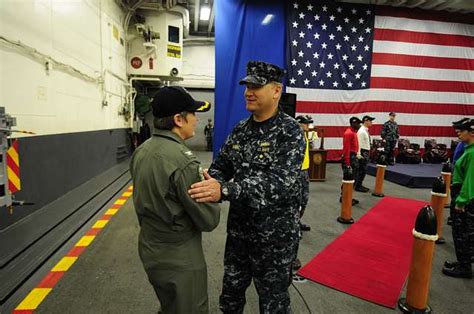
(211, 19)
(197, 9)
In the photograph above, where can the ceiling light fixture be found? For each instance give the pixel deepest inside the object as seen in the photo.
(267, 19)
(205, 13)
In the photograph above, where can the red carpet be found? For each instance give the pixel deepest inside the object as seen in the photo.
(371, 259)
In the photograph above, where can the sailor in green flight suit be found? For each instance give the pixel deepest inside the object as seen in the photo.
(171, 222)
(462, 188)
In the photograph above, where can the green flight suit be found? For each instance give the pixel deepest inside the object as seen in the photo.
(171, 222)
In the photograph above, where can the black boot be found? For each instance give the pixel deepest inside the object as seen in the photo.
(305, 227)
(362, 189)
(463, 270)
(354, 201)
(296, 264)
(451, 264)
(450, 221)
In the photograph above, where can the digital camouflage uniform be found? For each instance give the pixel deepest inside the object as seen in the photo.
(390, 133)
(163, 168)
(259, 166)
(462, 193)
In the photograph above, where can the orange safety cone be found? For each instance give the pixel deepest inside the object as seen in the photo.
(346, 203)
(446, 173)
(438, 197)
(380, 176)
(419, 278)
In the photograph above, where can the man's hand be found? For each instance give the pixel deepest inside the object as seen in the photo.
(208, 190)
(459, 209)
(359, 156)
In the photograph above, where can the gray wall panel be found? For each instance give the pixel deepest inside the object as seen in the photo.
(52, 165)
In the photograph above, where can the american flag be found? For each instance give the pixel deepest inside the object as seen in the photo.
(348, 60)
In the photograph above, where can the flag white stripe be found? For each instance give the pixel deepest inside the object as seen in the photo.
(336, 142)
(406, 24)
(326, 95)
(413, 49)
(381, 117)
(421, 73)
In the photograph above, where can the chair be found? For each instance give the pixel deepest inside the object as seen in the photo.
(376, 150)
(435, 153)
(408, 153)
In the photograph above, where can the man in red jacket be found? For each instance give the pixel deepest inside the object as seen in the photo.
(350, 147)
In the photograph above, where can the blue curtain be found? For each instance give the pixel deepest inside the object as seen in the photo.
(242, 36)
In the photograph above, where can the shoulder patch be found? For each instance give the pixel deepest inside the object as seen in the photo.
(188, 153)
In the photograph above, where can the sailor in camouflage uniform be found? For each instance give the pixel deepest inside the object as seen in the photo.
(390, 134)
(171, 222)
(257, 170)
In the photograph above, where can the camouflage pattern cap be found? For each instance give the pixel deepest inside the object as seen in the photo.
(304, 119)
(456, 124)
(467, 125)
(261, 73)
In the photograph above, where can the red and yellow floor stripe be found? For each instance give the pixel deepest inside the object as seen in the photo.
(31, 302)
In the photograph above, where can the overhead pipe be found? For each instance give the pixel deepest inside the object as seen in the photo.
(197, 9)
(211, 20)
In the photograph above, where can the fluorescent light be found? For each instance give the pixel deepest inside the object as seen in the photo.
(205, 13)
(267, 19)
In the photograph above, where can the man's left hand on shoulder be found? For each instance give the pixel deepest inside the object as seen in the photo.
(208, 190)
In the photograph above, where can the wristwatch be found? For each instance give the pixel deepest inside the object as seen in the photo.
(224, 192)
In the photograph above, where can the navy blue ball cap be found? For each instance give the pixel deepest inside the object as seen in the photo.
(261, 73)
(170, 100)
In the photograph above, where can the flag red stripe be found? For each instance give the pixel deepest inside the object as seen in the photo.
(423, 38)
(405, 130)
(422, 61)
(419, 14)
(334, 154)
(424, 85)
(384, 106)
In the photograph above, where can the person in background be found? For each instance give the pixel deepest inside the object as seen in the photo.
(350, 147)
(258, 171)
(363, 138)
(458, 151)
(462, 205)
(304, 122)
(171, 222)
(209, 133)
(390, 134)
